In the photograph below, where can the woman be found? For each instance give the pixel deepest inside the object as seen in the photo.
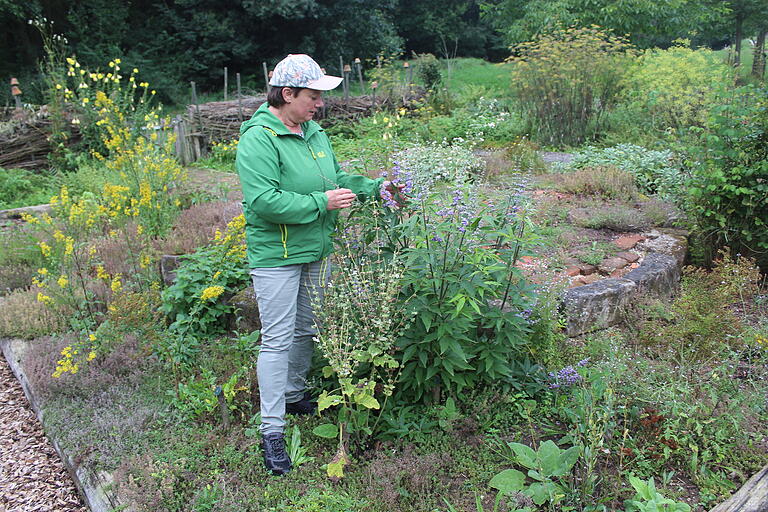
(293, 189)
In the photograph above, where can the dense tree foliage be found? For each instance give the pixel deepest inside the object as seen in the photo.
(175, 41)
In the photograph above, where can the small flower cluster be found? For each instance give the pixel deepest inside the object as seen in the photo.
(210, 293)
(568, 376)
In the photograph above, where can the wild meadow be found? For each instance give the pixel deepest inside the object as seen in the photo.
(444, 379)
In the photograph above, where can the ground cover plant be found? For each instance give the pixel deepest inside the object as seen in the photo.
(444, 379)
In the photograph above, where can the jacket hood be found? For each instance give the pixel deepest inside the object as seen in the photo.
(263, 117)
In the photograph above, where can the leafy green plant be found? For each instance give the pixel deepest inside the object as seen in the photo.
(675, 87)
(729, 188)
(194, 301)
(548, 467)
(19, 187)
(648, 499)
(197, 398)
(296, 451)
(360, 321)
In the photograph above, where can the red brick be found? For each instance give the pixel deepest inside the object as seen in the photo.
(631, 257)
(627, 242)
(573, 271)
(608, 265)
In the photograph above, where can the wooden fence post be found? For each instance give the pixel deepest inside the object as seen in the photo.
(266, 76)
(16, 92)
(239, 100)
(225, 83)
(347, 70)
(359, 65)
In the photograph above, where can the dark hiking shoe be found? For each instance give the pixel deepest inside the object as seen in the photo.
(276, 459)
(303, 406)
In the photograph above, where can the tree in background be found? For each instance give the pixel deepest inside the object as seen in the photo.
(648, 23)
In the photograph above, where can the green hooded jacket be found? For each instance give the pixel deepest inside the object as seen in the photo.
(284, 178)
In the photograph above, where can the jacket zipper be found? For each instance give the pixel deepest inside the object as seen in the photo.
(322, 178)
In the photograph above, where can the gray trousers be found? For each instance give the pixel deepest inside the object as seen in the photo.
(285, 295)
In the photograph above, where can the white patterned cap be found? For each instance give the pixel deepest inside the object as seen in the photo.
(300, 70)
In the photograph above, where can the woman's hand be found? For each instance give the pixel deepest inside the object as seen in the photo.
(340, 198)
(393, 192)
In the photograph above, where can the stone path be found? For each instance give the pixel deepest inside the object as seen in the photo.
(32, 476)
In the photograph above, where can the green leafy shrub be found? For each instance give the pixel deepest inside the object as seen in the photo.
(674, 88)
(566, 81)
(648, 499)
(729, 189)
(194, 302)
(429, 71)
(19, 187)
(654, 171)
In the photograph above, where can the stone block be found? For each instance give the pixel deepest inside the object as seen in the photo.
(587, 269)
(668, 241)
(597, 305)
(245, 318)
(572, 271)
(169, 263)
(659, 274)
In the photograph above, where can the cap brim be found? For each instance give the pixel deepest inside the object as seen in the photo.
(326, 83)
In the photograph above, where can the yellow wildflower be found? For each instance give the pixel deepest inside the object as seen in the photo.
(211, 293)
(92, 337)
(91, 355)
(42, 271)
(63, 281)
(45, 249)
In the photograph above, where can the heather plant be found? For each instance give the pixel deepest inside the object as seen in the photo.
(654, 171)
(567, 80)
(604, 181)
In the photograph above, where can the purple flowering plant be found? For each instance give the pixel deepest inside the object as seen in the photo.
(459, 252)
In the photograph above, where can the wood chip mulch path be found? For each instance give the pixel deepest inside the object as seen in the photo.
(32, 476)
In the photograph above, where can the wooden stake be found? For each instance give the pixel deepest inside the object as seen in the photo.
(197, 108)
(266, 76)
(225, 83)
(239, 100)
(360, 74)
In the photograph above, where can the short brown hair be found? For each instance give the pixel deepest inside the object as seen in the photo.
(275, 95)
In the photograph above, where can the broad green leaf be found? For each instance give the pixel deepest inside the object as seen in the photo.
(567, 460)
(367, 400)
(326, 401)
(549, 455)
(538, 492)
(326, 430)
(327, 371)
(525, 455)
(508, 481)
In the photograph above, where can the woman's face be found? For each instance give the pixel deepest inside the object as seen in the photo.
(303, 106)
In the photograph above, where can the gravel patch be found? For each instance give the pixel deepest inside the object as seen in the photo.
(32, 476)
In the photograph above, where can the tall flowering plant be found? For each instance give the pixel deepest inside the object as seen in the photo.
(459, 252)
(360, 319)
(134, 207)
